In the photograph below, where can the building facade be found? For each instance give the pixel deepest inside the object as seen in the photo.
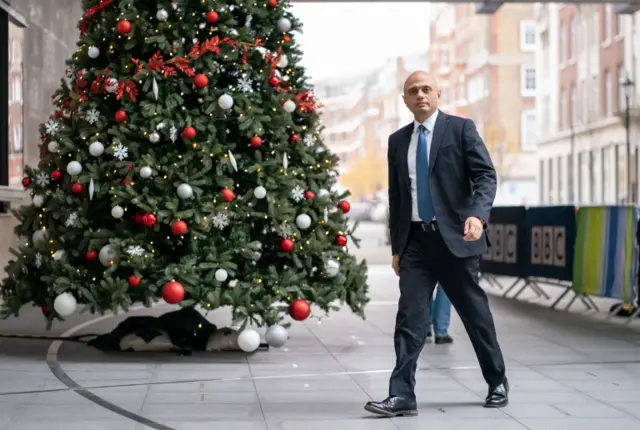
(582, 60)
(489, 75)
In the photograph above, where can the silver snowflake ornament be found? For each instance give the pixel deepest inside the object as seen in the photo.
(120, 151)
(245, 84)
(173, 133)
(52, 127)
(284, 230)
(297, 194)
(247, 23)
(42, 179)
(308, 140)
(92, 115)
(135, 251)
(38, 261)
(72, 220)
(220, 221)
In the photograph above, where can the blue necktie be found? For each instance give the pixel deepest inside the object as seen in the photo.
(425, 207)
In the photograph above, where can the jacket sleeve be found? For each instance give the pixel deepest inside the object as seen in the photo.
(394, 189)
(480, 170)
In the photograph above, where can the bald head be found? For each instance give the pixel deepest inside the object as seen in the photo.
(421, 94)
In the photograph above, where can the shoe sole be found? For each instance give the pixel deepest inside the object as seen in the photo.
(385, 413)
(496, 406)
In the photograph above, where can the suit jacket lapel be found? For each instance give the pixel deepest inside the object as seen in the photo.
(442, 122)
(403, 151)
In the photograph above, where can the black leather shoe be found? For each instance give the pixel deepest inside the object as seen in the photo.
(441, 340)
(393, 407)
(498, 397)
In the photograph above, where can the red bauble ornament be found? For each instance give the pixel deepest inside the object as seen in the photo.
(299, 309)
(123, 26)
(127, 181)
(344, 206)
(120, 116)
(56, 175)
(286, 38)
(46, 310)
(341, 240)
(173, 292)
(134, 281)
(227, 194)
(294, 138)
(189, 132)
(273, 81)
(272, 4)
(138, 219)
(200, 81)
(149, 219)
(309, 195)
(212, 17)
(91, 255)
(255, 142)
(179, 228)
(286, 245)
(26, 182)
(77, 188)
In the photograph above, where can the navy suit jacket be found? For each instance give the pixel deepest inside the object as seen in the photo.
(462, 182)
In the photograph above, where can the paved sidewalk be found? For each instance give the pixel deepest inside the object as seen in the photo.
(567, 371)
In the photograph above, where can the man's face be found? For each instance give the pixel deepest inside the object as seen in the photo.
(421, 94)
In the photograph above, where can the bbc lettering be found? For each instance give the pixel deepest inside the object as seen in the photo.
(504, 244)
(548, 246)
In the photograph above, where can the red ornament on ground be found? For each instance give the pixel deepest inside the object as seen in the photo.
(123, 26)
(309, 195)
(120, 116)
(273, 81)
(344, 206)
(341, 240)
(255, 142)
(294, 138)
(77, 188)
(179, 228)
(200, 81)
(26, 182)
(134, 281)
(149, 219)
(173, 292)
(189, 132)
(56, 175)
(212, 17)
(227, 194)
(286, 245)
(91, 255)
(272, 4)
(299, 309)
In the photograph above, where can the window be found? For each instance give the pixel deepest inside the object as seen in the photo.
(573, 102)
(563, 44)
(528, 36)
(528, 127)
(528, 78)
(608, 94)
(11, 107)
(607, 23)
(563, 110)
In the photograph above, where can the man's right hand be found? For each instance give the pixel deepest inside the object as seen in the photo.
(395, 263)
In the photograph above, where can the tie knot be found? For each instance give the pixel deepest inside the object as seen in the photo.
(422, 129)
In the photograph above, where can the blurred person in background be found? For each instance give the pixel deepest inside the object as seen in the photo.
(440, 317)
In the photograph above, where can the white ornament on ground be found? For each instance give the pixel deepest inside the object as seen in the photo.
(184, 191)
(117, 212)
(303, 221)
(38, 200)
(146, 172)
(289, 106)
(332, 268)
(248, 340)
(65, 304)
(284, 25)
(96, 149)
(74, 168)
(93, 52)
(221, 275)
(260, 192)
(53, 146)
(276, 336)
(225, 101)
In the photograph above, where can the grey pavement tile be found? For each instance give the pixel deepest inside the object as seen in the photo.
(306, 383)
(456, 423)
(211, 425)
(547, 397)
(579, 423)
(631, 407)
(88, 424)
(333, 424)
(594, 409)
(196, 397)
(614, 396)
(534, 410)
(202, 411)
(226, 386)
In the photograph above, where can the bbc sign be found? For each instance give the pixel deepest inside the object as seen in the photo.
(549, 245)
(504, 244)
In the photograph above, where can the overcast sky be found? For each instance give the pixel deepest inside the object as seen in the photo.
(349, 38)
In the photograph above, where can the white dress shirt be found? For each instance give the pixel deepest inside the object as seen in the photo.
(429, 124)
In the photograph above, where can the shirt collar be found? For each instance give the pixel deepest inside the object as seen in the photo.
(429, 123)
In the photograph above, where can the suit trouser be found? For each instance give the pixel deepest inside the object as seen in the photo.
(425, 262)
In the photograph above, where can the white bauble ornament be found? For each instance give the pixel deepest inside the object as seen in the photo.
(65, 304)
(225, 101)
(185, 191)
(108, 255)
(303, 221)
(53, 146)
(248, 340)
(162, 15)
(289, 106)
(260, 192)
(323, 193)
(221, 275)
(284, 25)
(39, 237)
(93, 52)
(283, 61)
(146, 172)
(96, 149)
(111, 85)
(154, 137)
(38, 200)
(59, 255)
(117, 212)
(74, 168)
(276, 336)
(332, 268)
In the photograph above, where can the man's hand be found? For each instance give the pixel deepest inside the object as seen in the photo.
(472, 229)
(395, 263)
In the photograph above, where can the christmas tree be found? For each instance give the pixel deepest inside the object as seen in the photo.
(184, 161)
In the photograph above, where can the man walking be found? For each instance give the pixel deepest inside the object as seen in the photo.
(442, 184)
(440, 317)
